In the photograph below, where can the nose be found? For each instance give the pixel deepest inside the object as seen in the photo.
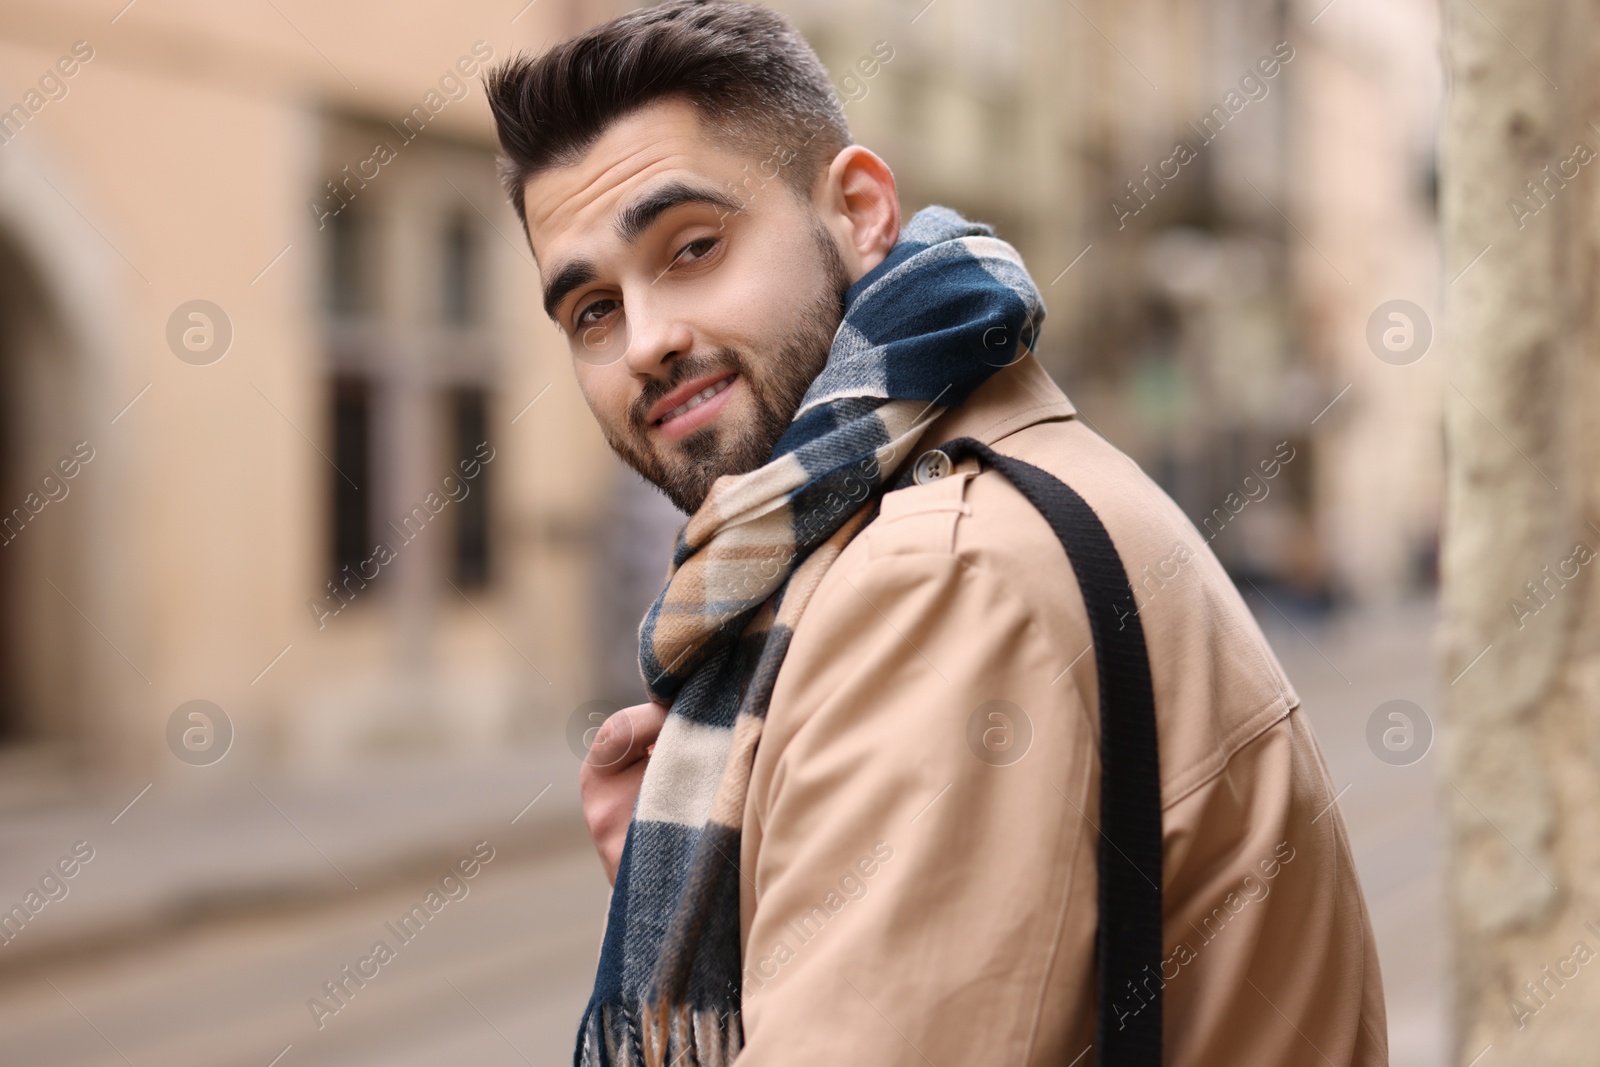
(656, 334)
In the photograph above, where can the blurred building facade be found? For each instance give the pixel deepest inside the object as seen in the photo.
(1213, 197)
(348, 497)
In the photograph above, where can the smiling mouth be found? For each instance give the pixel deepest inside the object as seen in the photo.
(695, 401)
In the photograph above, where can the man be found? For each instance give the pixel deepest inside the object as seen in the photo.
(865, 832)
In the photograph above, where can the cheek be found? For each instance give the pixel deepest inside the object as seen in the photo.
(757, 297)
(739, 305)
(606, 391)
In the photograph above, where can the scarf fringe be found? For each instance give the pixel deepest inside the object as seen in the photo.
(660, 1035)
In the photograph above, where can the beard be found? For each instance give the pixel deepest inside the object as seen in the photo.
(776, 381)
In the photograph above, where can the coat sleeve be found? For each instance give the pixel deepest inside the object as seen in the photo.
(918, 857)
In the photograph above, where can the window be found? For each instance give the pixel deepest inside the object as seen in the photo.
(347, 289)
(352, 452)
(470, 406)
(407, 277)
(459, 262)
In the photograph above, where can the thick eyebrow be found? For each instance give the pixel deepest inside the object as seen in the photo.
(563, 281)
(631, 222)
(634, 219)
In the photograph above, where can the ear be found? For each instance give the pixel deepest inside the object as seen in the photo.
(860, 205)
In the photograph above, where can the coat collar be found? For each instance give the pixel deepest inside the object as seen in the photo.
(1018, 395)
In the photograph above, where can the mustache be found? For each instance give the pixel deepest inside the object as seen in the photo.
(682, 369)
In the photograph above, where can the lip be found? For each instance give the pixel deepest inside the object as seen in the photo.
(696, 417)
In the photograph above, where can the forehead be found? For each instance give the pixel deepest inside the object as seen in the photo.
(569, 204)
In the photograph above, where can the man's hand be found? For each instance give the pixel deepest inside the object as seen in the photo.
(610, 777)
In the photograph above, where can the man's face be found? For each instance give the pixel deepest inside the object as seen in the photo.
(698, 294)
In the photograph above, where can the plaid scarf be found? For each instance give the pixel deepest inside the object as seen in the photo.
(949, 306)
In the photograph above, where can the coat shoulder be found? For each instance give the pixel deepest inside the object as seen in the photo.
(1218, 684)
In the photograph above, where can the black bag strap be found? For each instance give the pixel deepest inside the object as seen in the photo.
(1128, 938)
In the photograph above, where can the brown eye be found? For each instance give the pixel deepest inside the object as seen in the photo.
(595, 311)
(696, 250)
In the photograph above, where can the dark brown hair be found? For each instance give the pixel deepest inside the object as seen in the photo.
(756, 83)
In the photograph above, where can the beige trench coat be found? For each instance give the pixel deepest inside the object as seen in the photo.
(906, 902)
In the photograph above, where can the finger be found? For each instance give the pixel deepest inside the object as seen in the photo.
(612, 743)
(623, 738)
(648, 719)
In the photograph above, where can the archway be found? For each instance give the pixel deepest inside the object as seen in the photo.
(41, 543)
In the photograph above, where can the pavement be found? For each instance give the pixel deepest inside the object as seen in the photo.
(179, 849)
(496, 979)
(1344, 667)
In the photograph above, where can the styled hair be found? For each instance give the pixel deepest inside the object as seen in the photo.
(756, 84)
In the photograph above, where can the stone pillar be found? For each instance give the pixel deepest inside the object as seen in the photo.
(1520, 637)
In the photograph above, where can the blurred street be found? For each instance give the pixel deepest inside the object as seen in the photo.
(205, 922)
(501, 980)
(501, 976)
(1344, 669)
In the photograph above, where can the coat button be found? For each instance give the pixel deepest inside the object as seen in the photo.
(931, 466)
